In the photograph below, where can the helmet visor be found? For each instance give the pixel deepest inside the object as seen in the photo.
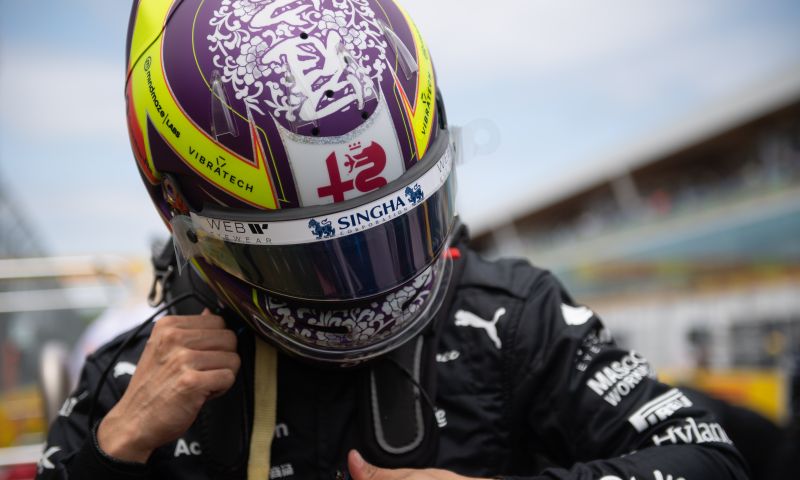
(348, 251)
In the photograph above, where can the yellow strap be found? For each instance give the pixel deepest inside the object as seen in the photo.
(264, 407)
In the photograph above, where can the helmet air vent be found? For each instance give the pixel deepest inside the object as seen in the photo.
(363, 84)
(222, 123)
(407, 61)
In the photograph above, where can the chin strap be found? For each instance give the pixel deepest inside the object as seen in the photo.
(264, 410)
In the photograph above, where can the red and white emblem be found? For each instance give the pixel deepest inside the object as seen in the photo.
(332, 170)
(364, 166)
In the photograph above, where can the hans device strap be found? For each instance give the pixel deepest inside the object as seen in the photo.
(264, 410)
(397, 412)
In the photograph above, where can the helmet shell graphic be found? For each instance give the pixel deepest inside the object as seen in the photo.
(280, 107)
(277, 104)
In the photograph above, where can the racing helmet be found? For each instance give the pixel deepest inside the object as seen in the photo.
(299, 152)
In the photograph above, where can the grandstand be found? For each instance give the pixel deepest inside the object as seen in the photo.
(688, 243)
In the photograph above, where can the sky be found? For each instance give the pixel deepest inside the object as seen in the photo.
(548, 89)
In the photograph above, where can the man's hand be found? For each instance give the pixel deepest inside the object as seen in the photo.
(187, 360)
(361, 470)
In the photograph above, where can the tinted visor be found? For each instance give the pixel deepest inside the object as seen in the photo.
(343, 252)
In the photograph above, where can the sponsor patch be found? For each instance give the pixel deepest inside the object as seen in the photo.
(659, 409)
(182, 447)
(616, 380)
(447, 356)
(285, 470)
(70, 403)
(44, 462)
(657, 475)
(342, 224)
(441, 418)
(692, 432)
(591, 345)
(281, 430)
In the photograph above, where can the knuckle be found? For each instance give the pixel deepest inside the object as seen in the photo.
(187, 380)
(173, 336)
(184, 356)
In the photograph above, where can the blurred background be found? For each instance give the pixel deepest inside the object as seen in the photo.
(646, 152)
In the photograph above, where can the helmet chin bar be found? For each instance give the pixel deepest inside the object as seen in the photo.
(324, 344)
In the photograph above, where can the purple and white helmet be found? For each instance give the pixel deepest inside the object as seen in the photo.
(299, 152)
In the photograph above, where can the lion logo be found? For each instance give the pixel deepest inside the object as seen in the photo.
(415, 195)
(322, 229)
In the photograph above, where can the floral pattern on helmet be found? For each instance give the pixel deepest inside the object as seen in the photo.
(299, 60)
(353, 327)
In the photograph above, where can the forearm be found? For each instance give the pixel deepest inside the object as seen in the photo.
(91, 462)
(72, 450)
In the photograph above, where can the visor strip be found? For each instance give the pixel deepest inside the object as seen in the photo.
(336, 225)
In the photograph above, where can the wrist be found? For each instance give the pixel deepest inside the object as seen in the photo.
(120, 440)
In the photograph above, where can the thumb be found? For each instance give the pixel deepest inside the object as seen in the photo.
(361, 470)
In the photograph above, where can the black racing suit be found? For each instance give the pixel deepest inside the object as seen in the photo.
(549, 396)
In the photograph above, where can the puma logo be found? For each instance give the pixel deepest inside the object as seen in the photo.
(575, 315)
(468, 319)
(124, 368)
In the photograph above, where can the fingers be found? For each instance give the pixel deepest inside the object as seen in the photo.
(187, 361)
(198, 332)
(360, 469)
(213, 382)
(203, 321)
(183, 350)
(205, 360)
(218, 340)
